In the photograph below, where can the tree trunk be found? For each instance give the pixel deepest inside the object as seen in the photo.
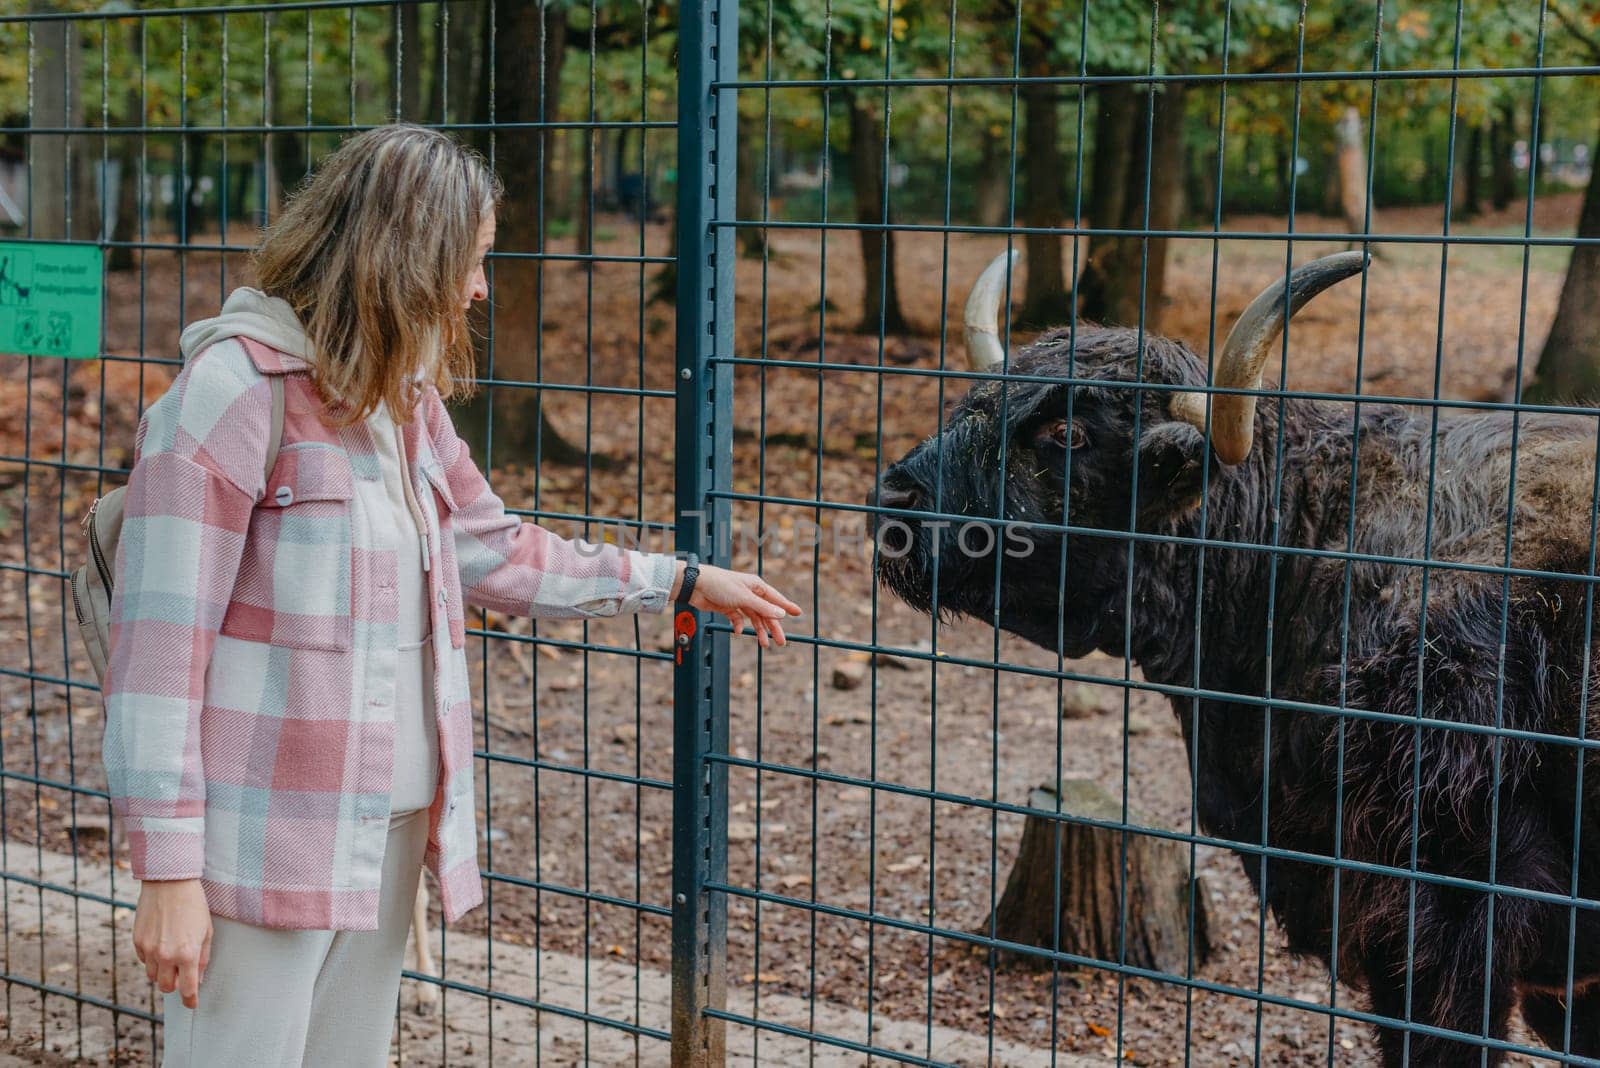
(405, 61)
(240, 173)
(483, 92)
(665, 285)
(1352, 172)
(55, 103)
(286, 151)
(1083, 913)
(1569, 365)
(751, 184)
(193, 169)
(880, 297)
(438, 68)
(527, 89)
(130, 182)
(584, 204)
(1166, 194)
(452, 92)
(1109, 289)
(557, 185)
(1465, 187)
(1332, 188)
(1502, 176)
(619, 165)
(1432, 187)
(1480, 137)
(992, 191)
(1045, 301)
(520, 40)
(1110, 176)
(1200, 190)
(1113, 153)
(458, 44)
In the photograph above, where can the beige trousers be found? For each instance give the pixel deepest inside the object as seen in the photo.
(304, 999)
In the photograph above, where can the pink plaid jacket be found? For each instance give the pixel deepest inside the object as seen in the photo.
(249, 697)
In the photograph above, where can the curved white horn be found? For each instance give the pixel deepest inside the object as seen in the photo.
(1244, 354)
(980, 321)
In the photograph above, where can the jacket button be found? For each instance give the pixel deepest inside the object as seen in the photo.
(284, 496)
(441, 598)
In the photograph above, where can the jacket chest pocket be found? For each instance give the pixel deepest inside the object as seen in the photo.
(294, 584)
(442, 503)
(433, 475)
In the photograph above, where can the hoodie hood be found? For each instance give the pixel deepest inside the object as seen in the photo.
(249, 313)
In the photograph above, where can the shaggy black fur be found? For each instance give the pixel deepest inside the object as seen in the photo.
(1406, 788)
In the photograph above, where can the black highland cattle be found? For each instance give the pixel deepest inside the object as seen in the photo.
(1466, 685)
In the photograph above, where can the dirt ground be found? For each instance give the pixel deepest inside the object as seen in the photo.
(575, 725)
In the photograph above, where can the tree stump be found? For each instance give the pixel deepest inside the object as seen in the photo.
(1091, 867)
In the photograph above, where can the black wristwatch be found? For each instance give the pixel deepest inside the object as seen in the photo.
(691, 572)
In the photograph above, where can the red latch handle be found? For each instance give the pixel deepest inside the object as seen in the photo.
(682, 632)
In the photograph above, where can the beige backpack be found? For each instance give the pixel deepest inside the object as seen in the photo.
(91, 583)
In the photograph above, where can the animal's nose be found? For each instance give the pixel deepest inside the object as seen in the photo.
(883, 496)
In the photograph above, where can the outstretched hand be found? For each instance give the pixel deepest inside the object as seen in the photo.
(744, 598)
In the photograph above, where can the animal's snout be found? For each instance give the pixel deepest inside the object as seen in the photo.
(886, 496)
(893, 532)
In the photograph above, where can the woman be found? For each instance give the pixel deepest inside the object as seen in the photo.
(289, 733)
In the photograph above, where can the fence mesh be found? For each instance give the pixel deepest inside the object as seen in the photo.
(992, 810)
(167, 138)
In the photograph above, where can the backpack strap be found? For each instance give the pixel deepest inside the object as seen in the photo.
(275, 434)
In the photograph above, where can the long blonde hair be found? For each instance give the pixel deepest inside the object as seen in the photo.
(373, 253)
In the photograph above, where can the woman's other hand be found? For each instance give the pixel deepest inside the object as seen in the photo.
(742, 597)
(172, 936)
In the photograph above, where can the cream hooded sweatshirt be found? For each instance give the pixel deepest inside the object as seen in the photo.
(271, 321)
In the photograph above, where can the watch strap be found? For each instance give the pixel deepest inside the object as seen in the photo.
(691, 572)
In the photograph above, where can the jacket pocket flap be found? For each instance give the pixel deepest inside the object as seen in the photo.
(309, 474)
(434, 473)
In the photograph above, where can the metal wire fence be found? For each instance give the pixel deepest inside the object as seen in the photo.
(989, 806)
(166, 137)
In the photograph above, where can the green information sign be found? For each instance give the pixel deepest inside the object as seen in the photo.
(50, 299)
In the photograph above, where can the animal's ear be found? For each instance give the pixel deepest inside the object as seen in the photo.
(1172, 471)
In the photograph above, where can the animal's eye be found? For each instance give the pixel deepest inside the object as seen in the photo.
(1063, 433)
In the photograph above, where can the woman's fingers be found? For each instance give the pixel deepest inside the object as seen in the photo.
(770, 596)
(167, 976)
(756, 606)
(764, 624)
(738, 617)
(179, 970)
(189, 982)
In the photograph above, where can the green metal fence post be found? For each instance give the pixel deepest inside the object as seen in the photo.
(708, 49)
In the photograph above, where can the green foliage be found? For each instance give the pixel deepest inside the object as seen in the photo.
(337, 66)
(191, 70)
